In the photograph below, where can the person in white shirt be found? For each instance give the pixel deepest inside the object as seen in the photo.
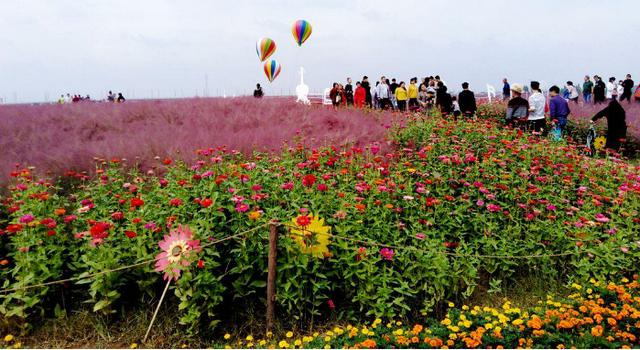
(612, 89)
(573, 92)
(537, 103)
(383, 92)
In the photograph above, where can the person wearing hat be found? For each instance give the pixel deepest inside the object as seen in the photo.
(537, 103)
(517, 107)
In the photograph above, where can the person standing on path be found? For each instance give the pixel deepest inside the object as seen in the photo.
(587, 89)
(360, 96)
(599, 90)
(443, 99)
(467, 101)
(348, 91)
(573, 92)
(612, 89)
(393, 86)
(382, 91)
(558, 108)
(517, 107)
(401, 97)
(412, 94)
(257, 93)
(367, 88)
(537, 103)
(506, 89)
(627, 86)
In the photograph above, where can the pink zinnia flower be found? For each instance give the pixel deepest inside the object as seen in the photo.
(420, 235)
(25, 219)
(242, 207)
(287, 186)
(493, 207)
(601, 218)
(387, 254)
(177, 252)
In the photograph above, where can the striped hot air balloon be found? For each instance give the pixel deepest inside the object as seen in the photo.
(271, 69)
(265, 47)
(301, 31)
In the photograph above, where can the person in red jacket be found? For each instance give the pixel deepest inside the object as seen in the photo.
(359, 96)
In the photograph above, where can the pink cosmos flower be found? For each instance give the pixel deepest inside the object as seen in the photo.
(387, 254)
(177, 252)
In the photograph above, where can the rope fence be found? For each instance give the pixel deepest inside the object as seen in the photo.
(272, 261)
(281, 224)
(479, 256)
(141, 263)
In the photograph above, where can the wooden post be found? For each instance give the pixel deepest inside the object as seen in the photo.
(271, 276)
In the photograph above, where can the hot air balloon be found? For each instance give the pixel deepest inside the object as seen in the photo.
(301, 31)
(265, 47)
(271, 69)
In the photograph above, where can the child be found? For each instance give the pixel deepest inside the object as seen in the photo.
(456, 107)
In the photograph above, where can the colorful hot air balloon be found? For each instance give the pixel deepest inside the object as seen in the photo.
(301, 31)
(265, 47)
(271, 69)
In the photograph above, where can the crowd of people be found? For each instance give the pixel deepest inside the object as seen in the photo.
(111, 97)
(528, 113)
(386, 93)
(594, 90)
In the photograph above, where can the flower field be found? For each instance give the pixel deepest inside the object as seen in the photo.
(74, 134)
(415, 212)
(596, 315)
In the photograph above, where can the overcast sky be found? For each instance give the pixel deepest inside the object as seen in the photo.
(151, 47)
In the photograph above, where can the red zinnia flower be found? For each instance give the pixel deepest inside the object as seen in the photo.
(117, 216)
(303, 220)
(99, 230)
(205, 203)
(136, 202)
(130, 234)
(308, 180)
(14, 228)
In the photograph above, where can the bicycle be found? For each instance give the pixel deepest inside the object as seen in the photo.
(594, 142)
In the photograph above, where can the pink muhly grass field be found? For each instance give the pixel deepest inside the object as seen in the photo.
(56, 138)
